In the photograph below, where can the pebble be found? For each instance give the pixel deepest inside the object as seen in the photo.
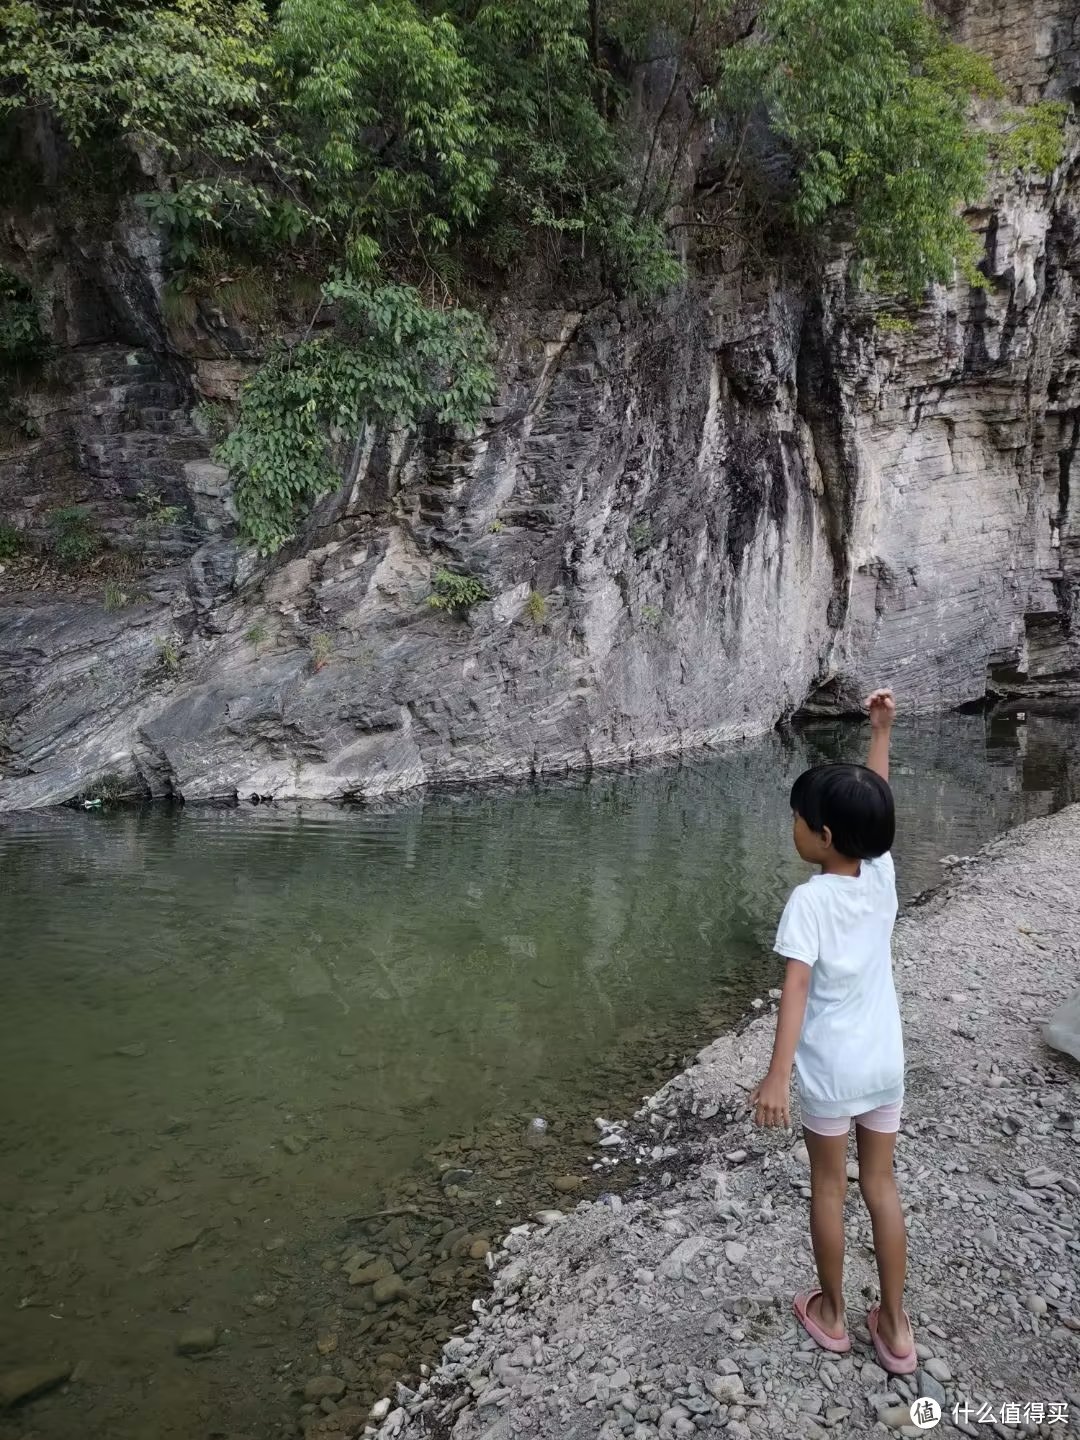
(727, 1389)
(929, 1385)
(1036, 1304)
(567, 1184)
(939, 1369)
(391, 1288)
(896, 1416)
(198, 1340)
(1041, 1178)
(735, 1251)
(379, 1269)
(323, 1387)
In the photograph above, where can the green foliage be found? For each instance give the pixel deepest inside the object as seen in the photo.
(456, 593)
(257, 635)
(894, 325)
(12, 541)
(156, 516)
(182, 78)
(392, 361)
(873, 102)
(168, 654)
(115, 597)
(382, 155)
(651, 617)
(497, 527)
(641, 536)
(22, 339)
(108, 789)
(1033, 139)
(385, 109)
(536, 607)
(322, 647)
(17, 425)
(179, 305)
(211, 419)
(564, 168)
(74, 538)
(381, 133)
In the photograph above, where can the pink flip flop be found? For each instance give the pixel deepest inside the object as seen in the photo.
(838, 1344)
(905, 1364)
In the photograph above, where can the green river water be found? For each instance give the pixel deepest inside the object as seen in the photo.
(226, 1033)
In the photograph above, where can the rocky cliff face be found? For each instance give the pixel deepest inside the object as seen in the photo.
(692, 520)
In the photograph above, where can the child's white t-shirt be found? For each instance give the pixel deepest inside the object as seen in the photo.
(850, 1056)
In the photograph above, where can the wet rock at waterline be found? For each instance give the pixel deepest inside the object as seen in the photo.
(324, 1387)
(369, 1274)
(29, 1381)
(388, 1289)
(199, 1340)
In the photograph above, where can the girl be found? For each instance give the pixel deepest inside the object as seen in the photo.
(840, 1024)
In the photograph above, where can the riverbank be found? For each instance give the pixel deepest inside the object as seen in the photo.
(669, 1314)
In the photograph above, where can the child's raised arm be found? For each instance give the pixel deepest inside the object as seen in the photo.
(882, 709)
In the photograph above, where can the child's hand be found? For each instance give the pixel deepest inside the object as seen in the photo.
(882, 709)
(771, 1101)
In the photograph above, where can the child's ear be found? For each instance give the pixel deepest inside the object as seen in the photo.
(826, 836)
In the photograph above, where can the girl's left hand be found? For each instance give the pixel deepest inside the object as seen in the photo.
(771, 1101)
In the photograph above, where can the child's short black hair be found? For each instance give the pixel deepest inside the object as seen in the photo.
(854, 802)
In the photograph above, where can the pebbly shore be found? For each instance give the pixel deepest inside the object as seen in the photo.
(666, 1312)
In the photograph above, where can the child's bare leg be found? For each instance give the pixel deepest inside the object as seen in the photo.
(828, 1190)
(878, 1185)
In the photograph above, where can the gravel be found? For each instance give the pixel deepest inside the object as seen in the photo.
(670, 1314)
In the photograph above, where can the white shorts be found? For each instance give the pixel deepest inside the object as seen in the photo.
(885, 1119)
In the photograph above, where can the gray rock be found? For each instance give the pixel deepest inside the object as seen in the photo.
(928, 1384)
(896, 1417)
(727, 1389)
(939, 1369)
(739, 394)
(1062, 1031)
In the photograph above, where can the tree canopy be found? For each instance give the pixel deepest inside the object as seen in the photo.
(393, 153)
